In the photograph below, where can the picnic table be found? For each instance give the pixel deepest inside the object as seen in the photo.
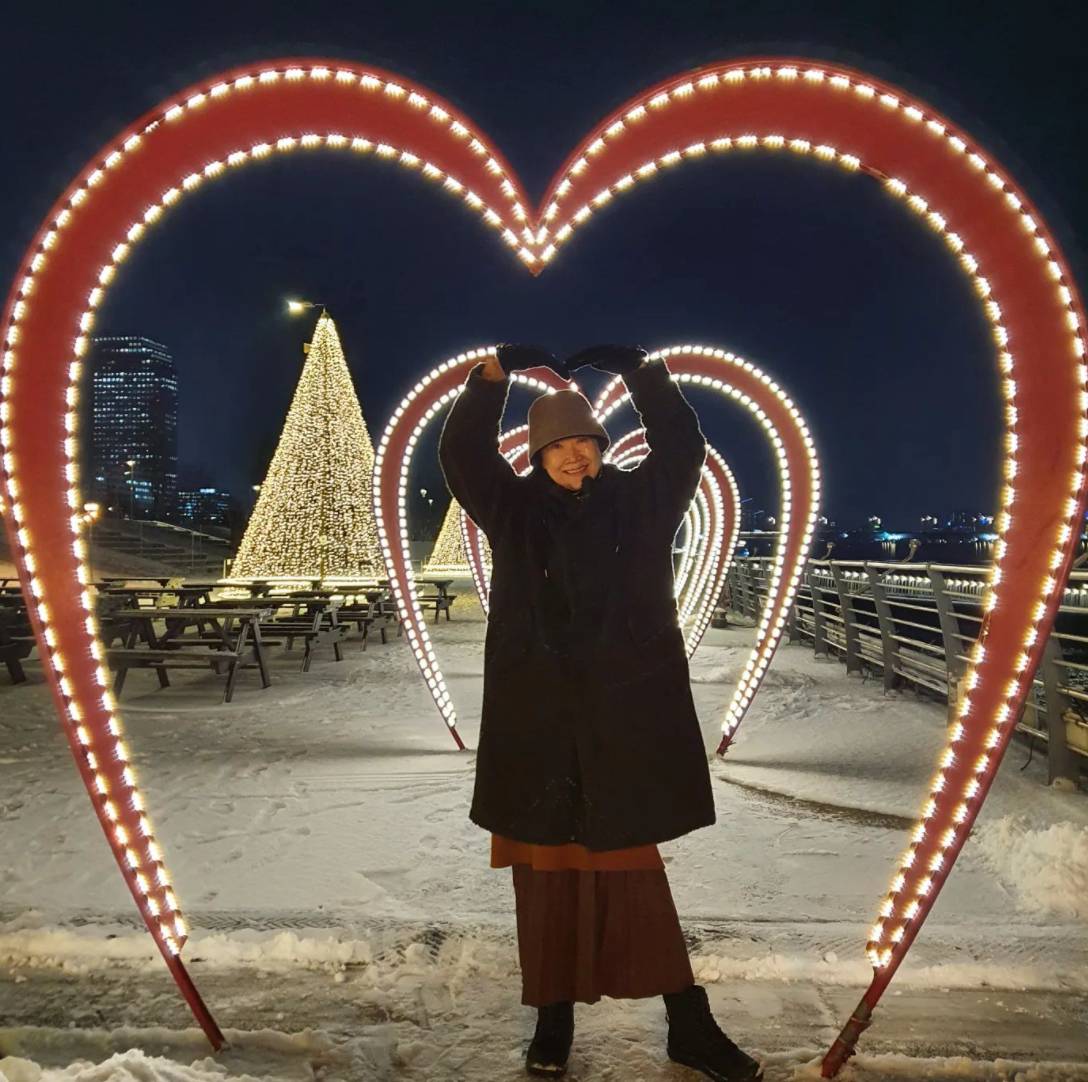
(115, 580)
(365, 603)
(224, 639)
(369, 609)
(441, 599)
(266, 587)
(314, 618)
(187, 595)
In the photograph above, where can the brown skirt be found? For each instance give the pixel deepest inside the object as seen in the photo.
(587, 934)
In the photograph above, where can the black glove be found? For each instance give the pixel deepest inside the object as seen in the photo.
(618, 360)
(514, 358)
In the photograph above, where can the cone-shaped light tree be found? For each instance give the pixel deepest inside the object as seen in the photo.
(449, 556)
(315, 515)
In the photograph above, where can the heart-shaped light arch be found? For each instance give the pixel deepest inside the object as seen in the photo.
(702, 366)
(824, 112)
(723, 516)
(628, 452)
(721, 522)
(726, 508)
(513, 446)
(392, 461)
(699, 541)
(720, 497)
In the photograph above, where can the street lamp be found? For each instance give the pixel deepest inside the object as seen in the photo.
(131, 463)
(296, 308)
(91, 514)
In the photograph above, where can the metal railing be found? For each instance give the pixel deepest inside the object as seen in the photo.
(915, 625)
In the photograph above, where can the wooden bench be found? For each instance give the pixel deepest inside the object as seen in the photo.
(314, 620)
(376, 610)
(226, 649)
(153, 596)
(440, 602)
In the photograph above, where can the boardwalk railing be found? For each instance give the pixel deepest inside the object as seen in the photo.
(914, 625)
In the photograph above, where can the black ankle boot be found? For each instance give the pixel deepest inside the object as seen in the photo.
(550, 1046)
(696, 1041)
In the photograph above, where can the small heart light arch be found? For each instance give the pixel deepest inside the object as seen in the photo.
(724, 507)
(392, 461)
(709, 548)
(704, 551)
(700, 366)
(821, 112)
(799, 477)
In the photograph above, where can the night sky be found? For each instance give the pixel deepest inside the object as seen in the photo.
(814, 274)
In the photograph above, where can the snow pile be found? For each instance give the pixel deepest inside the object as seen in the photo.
(890, 1068)
(1047, 869)
(136, 1066)
(385, 958)
(855, 972)
(130, 1066)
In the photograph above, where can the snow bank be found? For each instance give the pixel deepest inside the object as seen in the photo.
(831, 971)
(130, 1066)
(889, 1068)
(136, 1066)
(387, 959)
(1046, 869)
(87, 948)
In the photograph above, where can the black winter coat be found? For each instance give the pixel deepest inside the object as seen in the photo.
(588, 731)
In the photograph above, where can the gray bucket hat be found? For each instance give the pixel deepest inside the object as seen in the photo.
(559, 416)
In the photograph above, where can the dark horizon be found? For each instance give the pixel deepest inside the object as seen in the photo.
(814, 274)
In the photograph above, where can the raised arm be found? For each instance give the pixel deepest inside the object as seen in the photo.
(670, 472)
(479, 478)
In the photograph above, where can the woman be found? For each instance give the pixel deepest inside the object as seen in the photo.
(590, 751)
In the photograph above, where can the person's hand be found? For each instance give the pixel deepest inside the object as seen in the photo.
(492, 370)
(515, 358)
(617, 360)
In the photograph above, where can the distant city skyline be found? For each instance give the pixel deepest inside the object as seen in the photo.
(208, 490)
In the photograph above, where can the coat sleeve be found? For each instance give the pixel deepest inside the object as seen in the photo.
(669, 474)
(479, 478)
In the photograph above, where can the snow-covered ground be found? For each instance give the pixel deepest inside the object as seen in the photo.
(346, 924)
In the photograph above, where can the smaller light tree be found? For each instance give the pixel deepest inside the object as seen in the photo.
(449, 556)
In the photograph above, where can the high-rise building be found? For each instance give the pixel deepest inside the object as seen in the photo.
(134, 426)
(206, 506)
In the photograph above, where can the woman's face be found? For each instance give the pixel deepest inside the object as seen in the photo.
(568, 461)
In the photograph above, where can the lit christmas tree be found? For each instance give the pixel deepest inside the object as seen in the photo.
(315, 515)
(449, 556)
